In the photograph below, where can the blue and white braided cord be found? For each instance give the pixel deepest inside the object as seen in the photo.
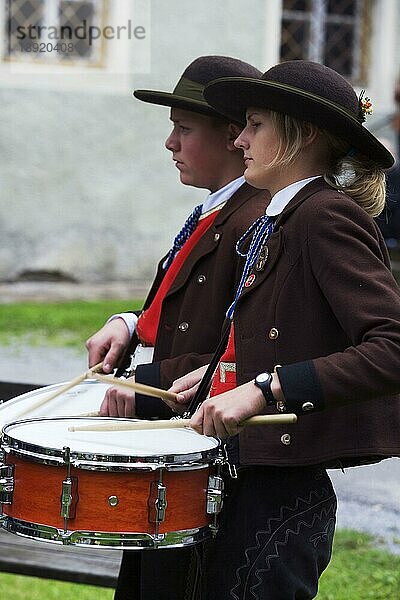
(184, 234)
(262, 228)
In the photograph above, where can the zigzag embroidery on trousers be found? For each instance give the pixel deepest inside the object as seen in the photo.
(283, 519)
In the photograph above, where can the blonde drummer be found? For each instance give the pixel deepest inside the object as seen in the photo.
(315, 330)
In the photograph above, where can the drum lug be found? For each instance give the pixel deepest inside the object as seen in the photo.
(6, 484)
(215, 491)
(161, 502)
(222, 461)
(69, 496)
(157, 502)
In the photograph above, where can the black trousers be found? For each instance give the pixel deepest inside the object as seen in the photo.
(274, 541)
(160, 575)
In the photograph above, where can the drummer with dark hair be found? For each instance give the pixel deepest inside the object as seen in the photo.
(180, 324)
(182, 316)
(315, 330)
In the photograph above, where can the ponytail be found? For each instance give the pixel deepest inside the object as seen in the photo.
(347, 170)
(356, 175)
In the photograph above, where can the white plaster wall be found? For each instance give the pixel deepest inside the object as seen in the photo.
(86, 184)
(385, 54)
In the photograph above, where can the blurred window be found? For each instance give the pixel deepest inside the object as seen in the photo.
(56, 31)
(332, 32)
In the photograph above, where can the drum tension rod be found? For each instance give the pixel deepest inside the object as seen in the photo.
(69, 496)
(215, 488)
(6, 483)
(157, 502)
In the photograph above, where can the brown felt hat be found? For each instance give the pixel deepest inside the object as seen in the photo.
(188, 92)
(304, 90)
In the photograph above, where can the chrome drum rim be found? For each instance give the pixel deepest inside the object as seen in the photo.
(105, 539)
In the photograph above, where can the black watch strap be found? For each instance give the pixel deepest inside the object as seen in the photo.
(263, 381)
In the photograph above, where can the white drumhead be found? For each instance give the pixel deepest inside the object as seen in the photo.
(83, 398)
(54, 434)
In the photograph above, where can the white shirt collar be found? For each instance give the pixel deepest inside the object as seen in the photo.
(221, 196)
(282, 198)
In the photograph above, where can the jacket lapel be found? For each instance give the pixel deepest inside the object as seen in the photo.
(261, 270)
(272, 250)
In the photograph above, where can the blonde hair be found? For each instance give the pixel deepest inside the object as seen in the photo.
(346, 170)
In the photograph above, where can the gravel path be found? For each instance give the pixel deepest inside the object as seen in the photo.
(369, 497)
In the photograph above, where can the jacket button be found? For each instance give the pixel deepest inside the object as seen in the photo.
(201, 279)
(307, 406)
(273, 333)
(286, 439)
(216, 237)
(183, 326)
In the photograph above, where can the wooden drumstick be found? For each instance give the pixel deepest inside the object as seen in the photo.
(168, 397)
(281, 419)
(61, 390)
(146, 390)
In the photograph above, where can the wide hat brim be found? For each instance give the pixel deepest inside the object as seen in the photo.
(232, 96)
(176, 101)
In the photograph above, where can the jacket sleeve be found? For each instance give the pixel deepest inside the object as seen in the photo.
(349, 261)
(162, 374)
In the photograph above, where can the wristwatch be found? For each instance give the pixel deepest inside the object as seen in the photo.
(263, 381)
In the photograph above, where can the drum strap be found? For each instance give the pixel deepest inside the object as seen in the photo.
(204, 386)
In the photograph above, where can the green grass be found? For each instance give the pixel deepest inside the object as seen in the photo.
(60, 324)
(19, 587)
(358, 571)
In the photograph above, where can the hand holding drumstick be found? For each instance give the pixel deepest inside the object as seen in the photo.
(108, 344)
(187, 386)
(119, 400)
(223, 415)
(93, 373)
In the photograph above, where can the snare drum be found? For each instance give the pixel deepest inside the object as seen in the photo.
(116, 489)
(81, 399)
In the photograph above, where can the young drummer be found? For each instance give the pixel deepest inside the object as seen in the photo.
(315, 330)
(182, 316)
(181, 321)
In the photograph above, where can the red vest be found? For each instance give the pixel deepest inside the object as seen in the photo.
(148, 322)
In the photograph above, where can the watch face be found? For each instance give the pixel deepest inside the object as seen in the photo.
(263, 377)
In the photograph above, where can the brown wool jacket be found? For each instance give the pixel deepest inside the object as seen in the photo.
(327, 308)
(194, 308)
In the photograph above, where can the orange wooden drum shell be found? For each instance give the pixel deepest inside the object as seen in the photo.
(37, 493)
